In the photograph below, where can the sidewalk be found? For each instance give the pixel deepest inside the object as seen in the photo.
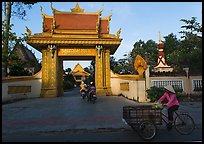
(70, 112)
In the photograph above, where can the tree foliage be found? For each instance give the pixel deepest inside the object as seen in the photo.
(179, 53)
(10, 9)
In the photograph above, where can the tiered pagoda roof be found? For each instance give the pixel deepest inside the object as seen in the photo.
(79, 71)
(75, 27)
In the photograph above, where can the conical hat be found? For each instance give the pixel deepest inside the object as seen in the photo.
(170, 88)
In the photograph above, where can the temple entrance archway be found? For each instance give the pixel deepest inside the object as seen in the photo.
(74, 35)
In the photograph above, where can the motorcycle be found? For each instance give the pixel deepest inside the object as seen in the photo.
(92, 96)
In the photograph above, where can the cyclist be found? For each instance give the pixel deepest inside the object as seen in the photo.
(172, 104)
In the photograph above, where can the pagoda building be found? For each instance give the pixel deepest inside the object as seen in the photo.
(79, 74)
(162, 65)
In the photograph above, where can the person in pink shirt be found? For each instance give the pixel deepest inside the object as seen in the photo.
(172, 104)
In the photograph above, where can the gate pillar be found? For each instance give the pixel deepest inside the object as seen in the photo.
(102, 71)
(49, 71)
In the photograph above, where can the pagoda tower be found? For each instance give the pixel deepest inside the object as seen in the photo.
(162, 65)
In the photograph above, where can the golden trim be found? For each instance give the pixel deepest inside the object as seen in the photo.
(109, 36)
(63, 31)
(47, 41)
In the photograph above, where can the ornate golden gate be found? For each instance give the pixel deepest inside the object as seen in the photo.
(74, 35)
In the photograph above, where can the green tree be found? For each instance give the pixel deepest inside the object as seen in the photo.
(68, 70)
(146, 50)
(190, 53)
(10, 9)
(171, 49)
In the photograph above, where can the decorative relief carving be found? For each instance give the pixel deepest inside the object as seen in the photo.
(99, 48)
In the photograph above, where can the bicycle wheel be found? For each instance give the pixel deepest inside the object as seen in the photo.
(147, 130)
(184, 124)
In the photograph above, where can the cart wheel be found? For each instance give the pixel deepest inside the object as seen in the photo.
(147, 130)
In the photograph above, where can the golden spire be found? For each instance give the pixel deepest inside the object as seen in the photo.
(77, 8)
(160, 41)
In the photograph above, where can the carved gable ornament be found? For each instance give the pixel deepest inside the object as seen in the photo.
(140, 64)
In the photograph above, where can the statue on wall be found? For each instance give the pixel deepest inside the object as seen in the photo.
(140, 65)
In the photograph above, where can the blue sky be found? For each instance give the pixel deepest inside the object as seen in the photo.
(138, 21)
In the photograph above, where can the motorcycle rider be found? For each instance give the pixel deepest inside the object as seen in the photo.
(90, 90)
(83, 87)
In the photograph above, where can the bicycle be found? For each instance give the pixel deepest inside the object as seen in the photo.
(183, 122)
(144, 119)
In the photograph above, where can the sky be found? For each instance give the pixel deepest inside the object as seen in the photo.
(138, 21)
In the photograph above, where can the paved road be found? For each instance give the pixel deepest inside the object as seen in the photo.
(70, 113)
(104, 135)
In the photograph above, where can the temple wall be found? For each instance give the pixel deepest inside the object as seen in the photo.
(21, 87)
(132, 88)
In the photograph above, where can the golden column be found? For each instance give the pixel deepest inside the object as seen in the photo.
(107, 72)
(49, 72)
(60, 77)
(99, 71)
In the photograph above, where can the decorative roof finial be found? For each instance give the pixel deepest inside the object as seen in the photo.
(41, 10)
(160, 41)
(51, 6)
(102, 8)
(110, 15)
(118, 33)
(77, 8)
(28, 31)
